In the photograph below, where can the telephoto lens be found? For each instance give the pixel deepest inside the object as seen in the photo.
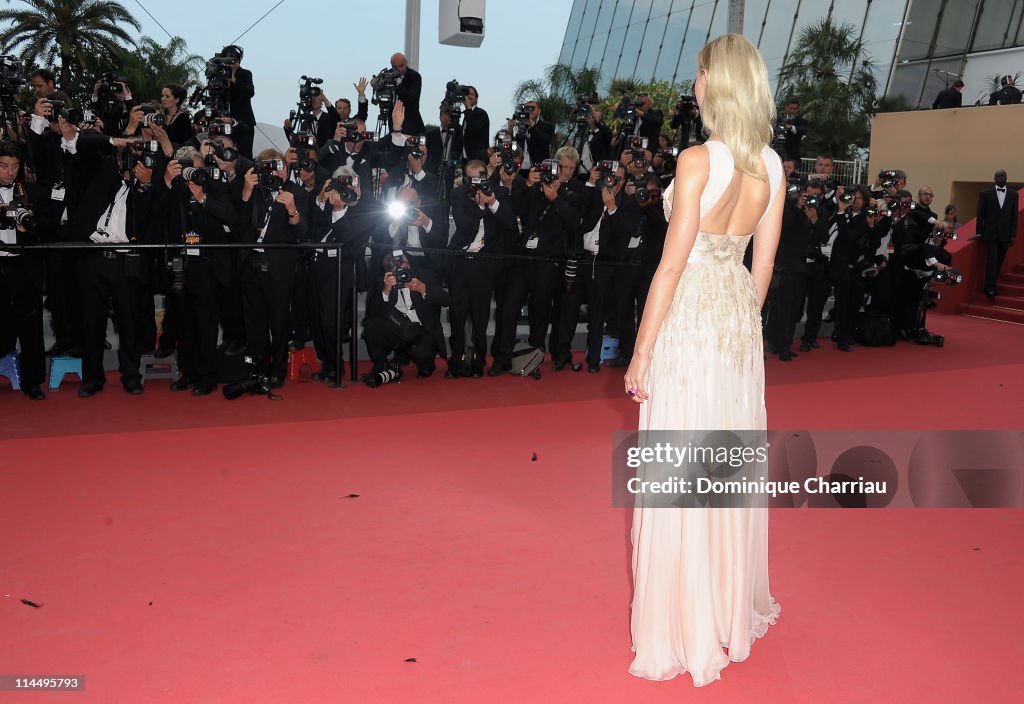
(386, 376)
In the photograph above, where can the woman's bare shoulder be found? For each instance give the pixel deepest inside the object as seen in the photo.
(694, 163)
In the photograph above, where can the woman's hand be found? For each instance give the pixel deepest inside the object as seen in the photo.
(635, 376)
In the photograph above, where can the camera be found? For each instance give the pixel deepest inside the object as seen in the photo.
(686, 104)
(455, 95)
(16, 214)
(402, 277)
(354, 134)
(847, 196)
(626, 112)
(58, 109)
(584, 109)
(637, 147)
(110, 88)
(950, 277)
(812, 201)
(506, 146)
(888, 178)
(609, 170)
(303, 140)
(219, 129)
(217, 91)
(145, 152)
(256, 383)
(267, 172)
(384, 90)
(479, 184)
(548, 171)
(389, 375)
(668, 153)
(414, 147)
(522, 115)
(343, 186)
(302, 120)
(11, 75)
(399, 211)
(199, 176)
(150, 117)
(224, 153)
(645, 194)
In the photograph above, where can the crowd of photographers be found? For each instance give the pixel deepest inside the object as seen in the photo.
(549, 231)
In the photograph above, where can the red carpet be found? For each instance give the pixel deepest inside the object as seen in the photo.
(200, 550)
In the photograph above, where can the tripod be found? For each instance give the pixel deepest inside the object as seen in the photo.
(446, 176)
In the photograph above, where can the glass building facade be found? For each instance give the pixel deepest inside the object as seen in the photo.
(911, 42)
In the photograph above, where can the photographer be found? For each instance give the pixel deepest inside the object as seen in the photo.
(801, 235)
(687, 123)
(923, 263)
(476, 128)
(817, 264)
(533, 135)
(411, 221)
(407, 86)
(341, 218)
(21, 276)
(404, 316)
(344, 105)
(271, 211)
(549, 211)
(597, 146)
(1008, 93)
(321, 120)
(197, 205)
(111, 102)
(351, 148)
(852, 255)
(604, 239)
(485, 222)
(793, 129)
(646, 228)
(115, 207)
(438, 139)
(240, 93)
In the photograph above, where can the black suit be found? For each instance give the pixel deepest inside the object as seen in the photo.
(382, 335)
(649, 126)
(476, 134)
(998, 229)
(473, 278)
(240, 94)
(408, 91)
(21, 302)
(538, 141)
(1007, 95)
(795, 136)
(948, 98)
(267, 277)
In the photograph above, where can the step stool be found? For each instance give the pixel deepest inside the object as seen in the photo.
(11, 368)
(60, 366)
(609, 348)
(300, 358)
(154, 367)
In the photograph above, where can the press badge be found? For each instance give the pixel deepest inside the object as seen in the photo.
(332, 253)
(532, 242)
(57, 193)
(634, 242)
(192, 238)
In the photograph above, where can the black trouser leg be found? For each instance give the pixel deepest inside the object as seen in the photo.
(516, 291)
(197, 324)
(381, 337)
(599, 296)
(256, 316)
(995, 255)
(818, 286)
(21, 315)
(569, 312)
(481, 278)
(124, 294)
(323, 312)
(458, 312)
(626, 293)
(95, 298)
(543, 279)
(301, 316)
(780, 313)
(844, 304)
(501, 280)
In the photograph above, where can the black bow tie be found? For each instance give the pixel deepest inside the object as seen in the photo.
(1001, 189)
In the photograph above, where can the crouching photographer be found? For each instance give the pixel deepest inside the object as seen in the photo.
(198, 205)
(344, 220)
(925, 264)
(404, 317)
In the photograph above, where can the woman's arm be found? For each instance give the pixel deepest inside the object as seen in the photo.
(766, 241)
(691, 176)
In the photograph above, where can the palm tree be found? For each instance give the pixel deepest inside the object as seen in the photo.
(153, 65)
(77, 33)
(830, 73)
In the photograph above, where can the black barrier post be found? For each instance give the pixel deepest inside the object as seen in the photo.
(353, 350)
(339, 367)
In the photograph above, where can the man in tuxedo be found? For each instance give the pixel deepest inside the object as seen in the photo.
(795, 128)
(997, 225)
(651, 119)
(115, 207)
(950, 97)
(537, 138)
(689, 125)
(412, 220)
(240, 93)
(410, 83)
(485, 222)
(1008, 94)
(406, 317)
(476, 128)
(272, 209)
(597, 146)
(21, 282)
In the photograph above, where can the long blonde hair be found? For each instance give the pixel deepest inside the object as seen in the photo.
(738, 106)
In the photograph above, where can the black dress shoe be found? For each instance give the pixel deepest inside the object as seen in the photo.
(424, 373)
(844, 346)
(786, 355)
(276, 382)
(89, 389)
(559, 365)
(203, 388)
(34, 393)
(499, 369)
(163, 352)
(133, 387)
(805, 346)
(593, 368)
(181, 384)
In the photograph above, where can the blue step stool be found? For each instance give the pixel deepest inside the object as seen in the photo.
(10, 368)
(609, 348)
(60, 366)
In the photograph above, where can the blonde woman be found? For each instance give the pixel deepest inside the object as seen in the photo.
(700, 575)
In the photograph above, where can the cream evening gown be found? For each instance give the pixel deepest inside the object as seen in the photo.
(700, 576)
